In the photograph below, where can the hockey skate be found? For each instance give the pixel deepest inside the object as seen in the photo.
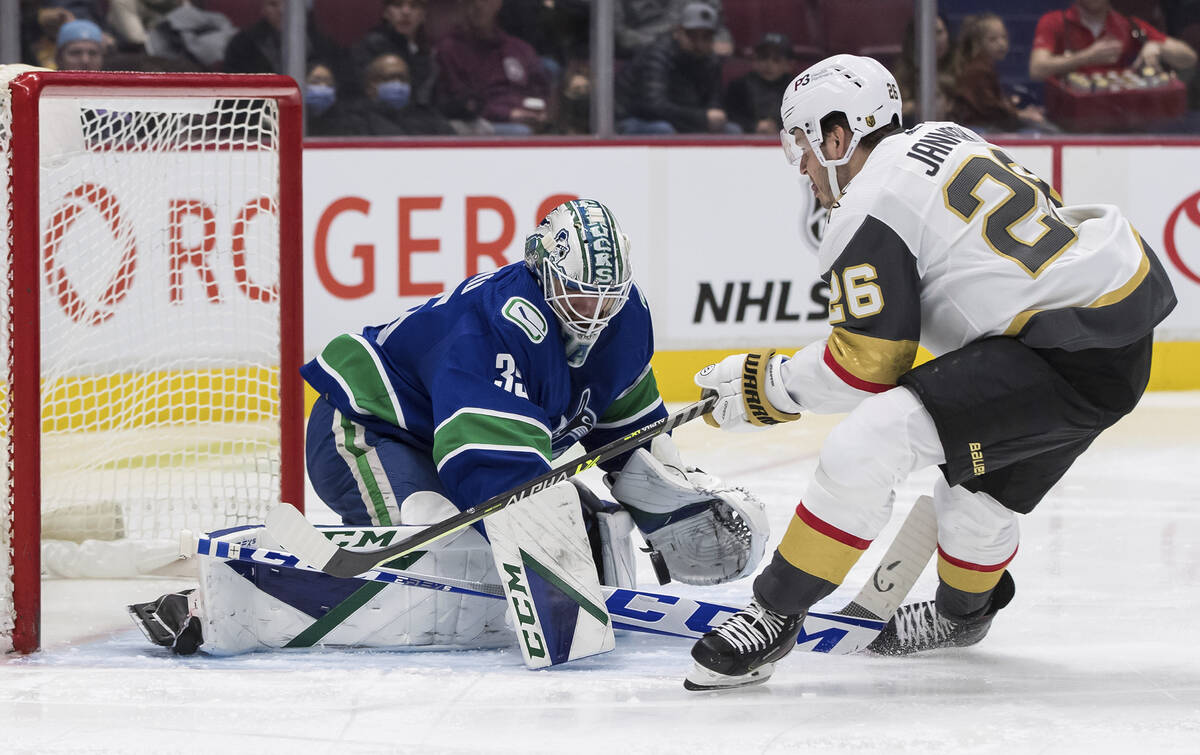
(169, 622)
(918, 627)
(743, 650)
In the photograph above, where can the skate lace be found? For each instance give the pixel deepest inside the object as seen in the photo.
(920, 623)
(753, 628)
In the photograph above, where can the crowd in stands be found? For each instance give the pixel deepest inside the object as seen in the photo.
(522, 67)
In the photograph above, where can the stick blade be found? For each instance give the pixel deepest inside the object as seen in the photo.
(297, 536)
(899, 568)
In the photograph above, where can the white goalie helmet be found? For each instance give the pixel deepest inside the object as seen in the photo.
(581, 258)
(860, 88)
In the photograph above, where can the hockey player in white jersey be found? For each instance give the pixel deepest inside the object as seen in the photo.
(1040, 317)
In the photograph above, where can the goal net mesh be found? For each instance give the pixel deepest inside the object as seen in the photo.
(159, 321)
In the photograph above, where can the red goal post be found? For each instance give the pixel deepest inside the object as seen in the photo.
(151, 326)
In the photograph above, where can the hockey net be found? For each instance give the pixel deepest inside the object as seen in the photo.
(151, 253)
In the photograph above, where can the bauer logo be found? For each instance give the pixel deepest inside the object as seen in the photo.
(977, 465)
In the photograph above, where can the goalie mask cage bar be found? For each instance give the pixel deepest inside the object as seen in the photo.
(152, 320)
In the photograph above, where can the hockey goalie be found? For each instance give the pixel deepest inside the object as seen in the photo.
(464, 397)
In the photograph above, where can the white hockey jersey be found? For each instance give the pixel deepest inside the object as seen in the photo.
(943, 239)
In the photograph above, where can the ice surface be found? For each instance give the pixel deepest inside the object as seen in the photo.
(1099, 652)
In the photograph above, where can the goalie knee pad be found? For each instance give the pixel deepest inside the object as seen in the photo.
(610, 530)
(705, 532)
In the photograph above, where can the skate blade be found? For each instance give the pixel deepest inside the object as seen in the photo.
(700, 679)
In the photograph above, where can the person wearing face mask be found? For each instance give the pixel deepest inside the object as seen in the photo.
(388, 108)
(674, 85)
(400, 31)
(324, 112)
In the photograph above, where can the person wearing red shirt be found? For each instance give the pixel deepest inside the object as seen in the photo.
(1091, 36)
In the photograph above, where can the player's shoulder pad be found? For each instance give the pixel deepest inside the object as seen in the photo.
(516, 310)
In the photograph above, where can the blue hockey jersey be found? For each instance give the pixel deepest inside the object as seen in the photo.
(479, 378)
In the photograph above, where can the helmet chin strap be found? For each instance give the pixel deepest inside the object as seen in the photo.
(834, 186)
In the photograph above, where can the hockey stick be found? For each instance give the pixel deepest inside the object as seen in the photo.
(847, 630)
(289, 527)
(898, 570)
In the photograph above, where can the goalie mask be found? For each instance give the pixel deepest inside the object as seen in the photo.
(704, 532)
(858, 87)
(581, 259)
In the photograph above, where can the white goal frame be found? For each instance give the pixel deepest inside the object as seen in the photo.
(28, 282)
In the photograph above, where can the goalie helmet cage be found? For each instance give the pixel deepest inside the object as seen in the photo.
(151, 329)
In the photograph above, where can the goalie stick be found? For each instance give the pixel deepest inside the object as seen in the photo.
(288, 526)
(847, 630)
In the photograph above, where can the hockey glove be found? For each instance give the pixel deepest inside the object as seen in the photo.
(750, 391)
(700, 530)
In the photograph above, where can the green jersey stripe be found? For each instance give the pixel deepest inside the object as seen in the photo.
(638, 400)
(351, 361)
(474, 429)
(366, 473)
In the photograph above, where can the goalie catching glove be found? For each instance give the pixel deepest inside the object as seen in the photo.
(750, 391)
(705, 532)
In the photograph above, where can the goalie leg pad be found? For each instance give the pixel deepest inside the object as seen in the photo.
(706, 532)
(245, 607)
(545, 564)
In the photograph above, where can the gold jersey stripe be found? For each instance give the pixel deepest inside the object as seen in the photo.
(1112, 297)
(875, 360)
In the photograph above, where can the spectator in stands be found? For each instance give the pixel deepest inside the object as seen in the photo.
(259, 47)
(325, 114)
(574, 110)
(1090, 36)
(83, 10)
(488, 80)
(978, 99)
(908, 72)
(674, 85)
(401, 31)
(752, 100)
(131, 20)
(557, 30)
(39, 32)
(80, 47)
(193, 34)
(638, 23)
(388, 108)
